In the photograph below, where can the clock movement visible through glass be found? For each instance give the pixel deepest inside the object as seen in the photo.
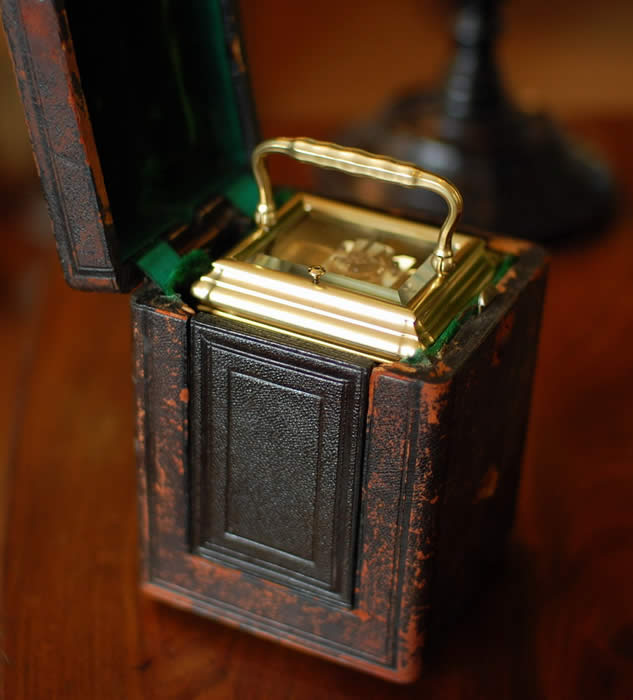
(367, 259)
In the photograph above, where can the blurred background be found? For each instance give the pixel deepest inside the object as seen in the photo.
(567, 57)
(331, 63)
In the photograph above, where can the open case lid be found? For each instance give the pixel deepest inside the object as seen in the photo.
(138, 112)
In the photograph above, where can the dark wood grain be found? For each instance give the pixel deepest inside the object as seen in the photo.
(558, 624)
(22, 279)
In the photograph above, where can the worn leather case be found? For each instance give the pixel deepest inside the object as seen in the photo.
(340, 505)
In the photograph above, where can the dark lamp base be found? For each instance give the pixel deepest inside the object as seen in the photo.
(518, 173)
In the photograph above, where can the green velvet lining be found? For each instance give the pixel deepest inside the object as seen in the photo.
(159, 264)
(157, 79)
(174, 274)
(171, 272)
(190, 268)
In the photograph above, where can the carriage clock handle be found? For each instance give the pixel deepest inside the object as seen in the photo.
(361, 164)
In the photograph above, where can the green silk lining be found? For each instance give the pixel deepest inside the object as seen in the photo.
(164, 107)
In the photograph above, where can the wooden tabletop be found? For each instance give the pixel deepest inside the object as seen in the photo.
(558, 624)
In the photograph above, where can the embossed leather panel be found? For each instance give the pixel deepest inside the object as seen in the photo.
(277, 436)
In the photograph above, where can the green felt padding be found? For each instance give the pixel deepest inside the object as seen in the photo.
(506, 263)
(171, 272)
(190, 268)
(159, 264)
(175, 274)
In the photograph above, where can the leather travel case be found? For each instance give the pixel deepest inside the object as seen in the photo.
(344, 505)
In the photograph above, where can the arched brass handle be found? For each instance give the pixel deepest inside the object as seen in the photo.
(362, 164)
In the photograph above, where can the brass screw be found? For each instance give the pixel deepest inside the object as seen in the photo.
(316, 272)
